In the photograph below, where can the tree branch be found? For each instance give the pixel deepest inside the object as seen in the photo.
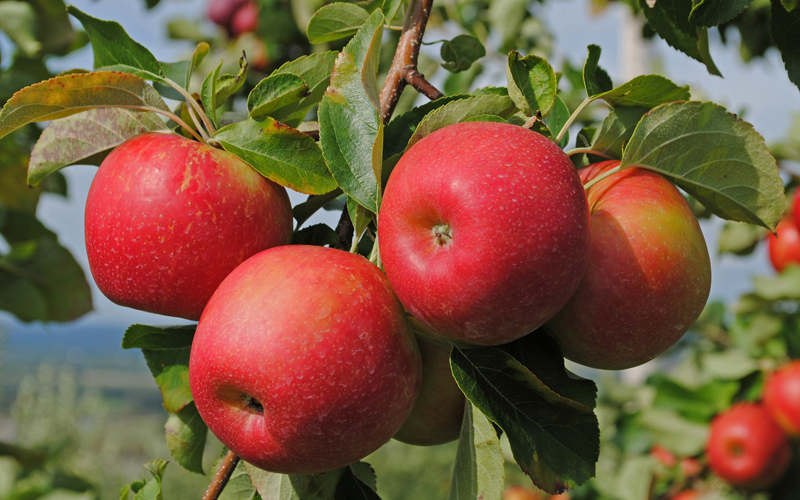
(421, 85)
(226, 468)
(405, 59)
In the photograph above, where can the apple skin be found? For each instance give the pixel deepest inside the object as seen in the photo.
(519, 492)
(221, 12)
(747, 448)
(439, 411)
(782, 397)
(245, 20)
(317, 337)
(649, 273)
(513, 231)
(168, 218)
(686, 495)
(785, 248)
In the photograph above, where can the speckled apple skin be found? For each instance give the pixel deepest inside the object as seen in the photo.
(520, 231)
(168, 218)
(439, 411)
(649, 273)
(782, 397)
(319, 339)
(747, 448)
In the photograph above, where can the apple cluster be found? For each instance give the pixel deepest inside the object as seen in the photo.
(784, 245)
(304, 359)
(237, 17)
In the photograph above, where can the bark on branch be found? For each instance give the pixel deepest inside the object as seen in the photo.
(226, 468)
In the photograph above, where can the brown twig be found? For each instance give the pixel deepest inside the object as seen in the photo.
(421, 85)
(405, 59)
(226, 468)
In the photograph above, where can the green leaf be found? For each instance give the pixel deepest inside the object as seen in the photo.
(740, 238)
(170, 368)
(714, 156)
(462, 110)
(558, 118)
(158, 338)
(790, 5)
(531, 83)
(302, 211)
(705, 52)
(63, 96)
(478, 471)
(86, 138)
(147, 490)
(670, 430)
(595, 79)
(616, 130)
(275, 92)
(274, 486)
(554, 440)
(239, 486)
(359, 216)
(390, 9)
(732, 364)
(113, 47)
(227, 85)
(635, 478)
(540, 354)
(487, 118)
(334, 21)
(208, 94)
(647, 91)
(352, 487)
(399, 131)
(318, 235)
(186, 438)
(280, 153)
(710, 13)
(785, 285)
(785, 26)
(315, 70)
(699, 404)
(41, 281)
(351, 129)
(18, 21)
(459, 53)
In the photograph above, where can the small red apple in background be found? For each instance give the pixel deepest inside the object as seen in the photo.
(483, 231)
(785, 248)
(303, 360)
(439, 410)
(691, 467)
(747, 448)
(782, 397)
(245, 20)
(649, 273)
(221, 12)
(663, 455)
(168, 218)
(519, 492)
(686, 495)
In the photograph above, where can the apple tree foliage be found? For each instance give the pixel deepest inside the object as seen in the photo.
(314, 124)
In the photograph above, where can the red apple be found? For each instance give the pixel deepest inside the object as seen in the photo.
(245, 20)
(686, 495)
(483, 231)
(221, 12)
(747, 448)
(691, 467)
(168, 218)
(649, 272)
(303, 360)
(663, 455)
(439, 410)
(518, 492)
(782, 397)
(784, 246)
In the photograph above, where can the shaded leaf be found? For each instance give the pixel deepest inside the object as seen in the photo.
(595, 79)
(531, 83)
(85, 136)
(227, 85)
(170, 368)
(359, 216)
(334, 21)
(785, 285)
(208, 94)
(740, 238)
(274, 486)
(18, 21)
(302, 211)
(714, 156)
(695, 403)
(668, 429)
(279, 153)
(710, 13)
(239, 486)
(554, 440)
(158, 338)
(785, 26)
(399, 131)
(63, 96)
(186, 438)
(461, 110)
(478, 471)
(558, 118)
(351, 129)
(647, 91)
(315, 70)
(318, 235)
(705, 51)
(352, 487)
(616, 130)
(275, 92)
(459, 53)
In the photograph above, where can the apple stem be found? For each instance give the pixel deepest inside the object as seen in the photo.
(533, 119)
(420, 84)
(197, 125)
(171, 116)
(192, 103)
(599, 178)
(375, 255)
(404, 65)
(221, 477)
(571, 119)
(590, 151)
